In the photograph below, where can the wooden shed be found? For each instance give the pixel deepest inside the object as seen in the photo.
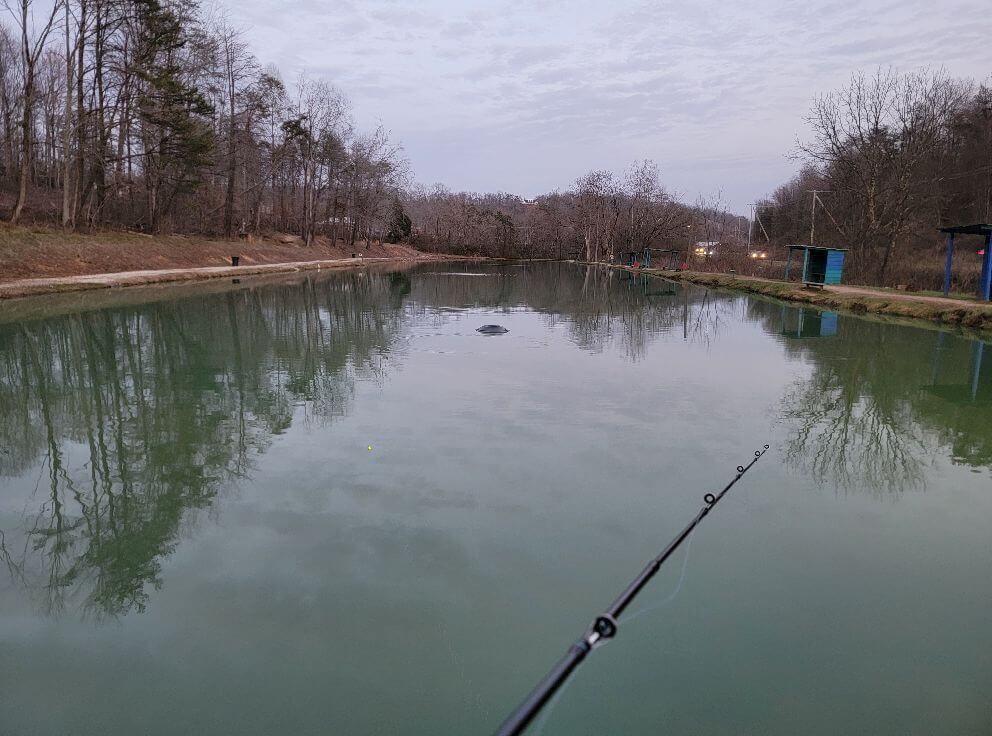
(820, 265)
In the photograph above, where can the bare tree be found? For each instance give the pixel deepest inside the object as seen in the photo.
(33, 39)
(876, 140)
(655, 216)
(597, 212)
(319, 128)
(239, 69)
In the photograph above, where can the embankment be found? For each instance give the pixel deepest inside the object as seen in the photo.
(856, 299)
(45, 261)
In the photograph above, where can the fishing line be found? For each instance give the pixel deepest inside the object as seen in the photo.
(546, 714)
(671, 596)
(605, 626)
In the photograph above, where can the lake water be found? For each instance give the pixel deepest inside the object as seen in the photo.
(329, 506)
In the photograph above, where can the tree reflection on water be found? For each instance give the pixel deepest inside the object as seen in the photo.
(136, 417)
(869, 416)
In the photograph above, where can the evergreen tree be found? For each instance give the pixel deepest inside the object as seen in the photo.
(400, 225)
(174, 112)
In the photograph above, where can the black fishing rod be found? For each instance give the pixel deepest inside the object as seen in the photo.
(605, 626)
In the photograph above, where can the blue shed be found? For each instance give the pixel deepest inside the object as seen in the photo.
(820, 265)
(805, 323)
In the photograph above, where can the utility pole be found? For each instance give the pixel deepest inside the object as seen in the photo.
(750, 225)
(812, 219)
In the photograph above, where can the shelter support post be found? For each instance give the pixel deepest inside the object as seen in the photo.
(976, 366)
(788, 264)
(947, 265)
(936, 357)
(987, 269)
(983, 283)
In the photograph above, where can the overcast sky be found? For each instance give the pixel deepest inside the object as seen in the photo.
(527, 96)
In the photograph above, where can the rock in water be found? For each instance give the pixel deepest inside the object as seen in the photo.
(492, 329)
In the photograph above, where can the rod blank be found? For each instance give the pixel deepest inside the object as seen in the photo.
(605, 626)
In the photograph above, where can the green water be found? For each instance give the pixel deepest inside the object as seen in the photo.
(197, 538)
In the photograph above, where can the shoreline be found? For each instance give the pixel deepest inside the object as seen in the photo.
(22, 288)
(857, 300)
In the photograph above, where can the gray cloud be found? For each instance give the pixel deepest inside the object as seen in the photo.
(526, 95)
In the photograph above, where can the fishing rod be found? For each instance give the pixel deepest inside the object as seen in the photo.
(605, 626)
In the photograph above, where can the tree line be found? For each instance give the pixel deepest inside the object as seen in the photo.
(889, 159)
(154, 115)
(600, 218)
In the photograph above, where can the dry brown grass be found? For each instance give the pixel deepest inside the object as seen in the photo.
(40, 252)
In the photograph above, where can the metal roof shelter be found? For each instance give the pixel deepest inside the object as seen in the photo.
(666, 288)
(668, 257)
(977, 391)
(631, 257)
(985, 283)
(821, 265)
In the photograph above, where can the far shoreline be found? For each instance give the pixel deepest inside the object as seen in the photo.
(69, 284)
(857, 300)
(274, 256)
(39, 260)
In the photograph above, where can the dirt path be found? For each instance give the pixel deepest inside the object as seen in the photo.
(64, 284)
(867, 291)
(857, 299)
(907, 296)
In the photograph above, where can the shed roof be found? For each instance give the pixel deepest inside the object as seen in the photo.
(979, 229)
(813, 247)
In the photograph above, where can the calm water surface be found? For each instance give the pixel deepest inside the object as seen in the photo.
(197, 537)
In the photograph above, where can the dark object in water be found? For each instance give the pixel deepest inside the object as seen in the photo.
(492, 329)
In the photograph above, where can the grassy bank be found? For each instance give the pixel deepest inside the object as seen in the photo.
(38, 260)
(39, 252)
(857, 300)
(55, 303)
